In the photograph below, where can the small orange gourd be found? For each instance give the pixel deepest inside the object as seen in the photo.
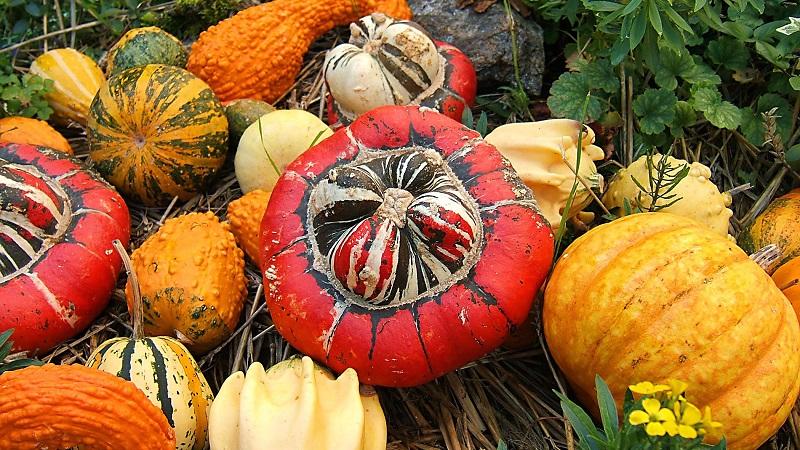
(779, 225)
(24, 130)
(258, 52)
(191, 278)
(787, 278)
(245, 215)
(67, 406)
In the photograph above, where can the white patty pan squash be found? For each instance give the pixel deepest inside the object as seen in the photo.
(700, 199)
(281, 135)
(538, 150)
(296, 405)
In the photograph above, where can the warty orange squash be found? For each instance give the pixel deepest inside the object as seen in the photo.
(656, 296)
(24, 130)
(258, 52)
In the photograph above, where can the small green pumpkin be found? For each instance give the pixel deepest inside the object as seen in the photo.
(143, 46)
(241, 113)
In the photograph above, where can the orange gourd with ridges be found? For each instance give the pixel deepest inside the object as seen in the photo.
(258, 52)
(245, 216)
(67, 406)
(657, 296)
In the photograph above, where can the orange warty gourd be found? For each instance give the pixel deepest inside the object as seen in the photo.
(23, 130)
(787, 278)
(258, 52)
(191, 278)
(245, 216)
(67, 406)
(656, 296)
(779, 225)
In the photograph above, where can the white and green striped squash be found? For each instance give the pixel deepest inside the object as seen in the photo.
(165, 371)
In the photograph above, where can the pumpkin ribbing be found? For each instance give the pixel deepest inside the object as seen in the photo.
(656, 296)
(66, 406)
(258, 52)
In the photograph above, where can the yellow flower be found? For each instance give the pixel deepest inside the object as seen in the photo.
(686, 417)
(709, 426)
(647, 388)
(676, 389)
(654, 416)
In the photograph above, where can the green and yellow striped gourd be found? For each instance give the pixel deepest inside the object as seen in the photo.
(143, 46)
(165, 371)
(157, 132)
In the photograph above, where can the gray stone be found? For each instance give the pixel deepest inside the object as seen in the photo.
(486, 39)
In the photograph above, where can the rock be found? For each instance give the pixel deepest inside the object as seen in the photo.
(486, 39)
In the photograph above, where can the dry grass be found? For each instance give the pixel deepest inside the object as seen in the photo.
(504, 396)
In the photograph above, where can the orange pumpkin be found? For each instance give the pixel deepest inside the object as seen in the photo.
(23, 130)
(245, 215)
(657, 296)
(777, 225)
(787, 278)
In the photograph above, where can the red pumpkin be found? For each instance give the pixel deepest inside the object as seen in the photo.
(403, 246)
(57, 264)
(395, 62)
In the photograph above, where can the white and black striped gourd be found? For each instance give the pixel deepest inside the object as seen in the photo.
(386, 62)
(165, 371)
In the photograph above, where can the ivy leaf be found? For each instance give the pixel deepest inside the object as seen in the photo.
(684, 116)
(600, 74)
(728, 52)
(655, 109)
(724, 115)
(568, 94)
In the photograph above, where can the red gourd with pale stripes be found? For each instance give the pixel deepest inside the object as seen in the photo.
(57, 264)
(403, 246)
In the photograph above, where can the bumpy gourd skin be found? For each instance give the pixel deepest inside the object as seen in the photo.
(68, 406)
(258, 52)
(245, 216)
(191, 277)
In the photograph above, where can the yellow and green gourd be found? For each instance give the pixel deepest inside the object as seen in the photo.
(165, 371)
(143, 46)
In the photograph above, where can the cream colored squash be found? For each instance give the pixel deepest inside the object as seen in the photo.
(700, 199)
(281, 135)
(538, 150)
(295, 405)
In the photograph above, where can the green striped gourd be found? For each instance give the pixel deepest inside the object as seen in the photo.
(143, 46)
(165, 371)
(157, 132)
(76, 79)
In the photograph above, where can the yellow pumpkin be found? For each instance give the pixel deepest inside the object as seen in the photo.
(191, 278)
(22, 130)
(76, 80)
(296, 404)
(654, 296)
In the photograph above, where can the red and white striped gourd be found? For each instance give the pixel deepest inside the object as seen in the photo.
(57, 263)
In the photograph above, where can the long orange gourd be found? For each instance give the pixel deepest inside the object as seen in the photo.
(258, 52)
(67, 406)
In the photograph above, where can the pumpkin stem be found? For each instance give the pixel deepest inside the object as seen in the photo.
(138, 312)
(768, 257)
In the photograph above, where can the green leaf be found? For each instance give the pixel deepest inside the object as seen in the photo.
(600, 75)
(483, 124)
(502, 445)
(466, 117)
(728, 52)
(33, 8)
(671, 65)
(619, 51)
(738, 30)
(701, 74)
(771, 54)
(655, 109)
(724, 115)
(608, 408)
(684, 117)
(630, 7)
(677, 19)
(705, 98)
(580, 421)
(638, 27)
(603, 6)
(783, 112)
(655, 16)
(672, 38)
(699, 4)
(795, 82)
(752, 127)
(19, 364)
(567, 96)
(792, 156)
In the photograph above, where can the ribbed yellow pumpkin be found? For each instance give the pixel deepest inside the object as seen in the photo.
(76, 80)
(157, 132)
(656, 296)
(163, 369)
